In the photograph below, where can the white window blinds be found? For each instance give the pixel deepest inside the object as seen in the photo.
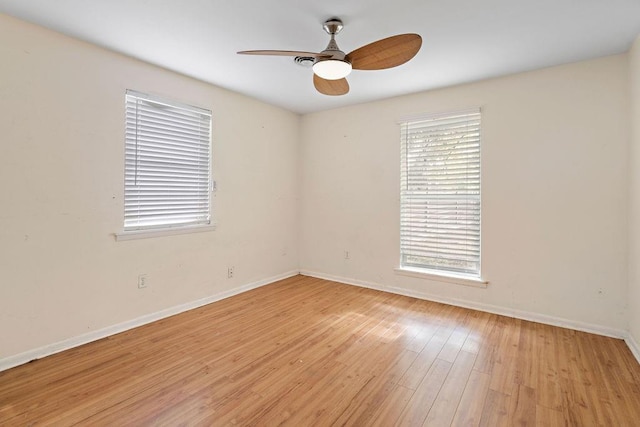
(440, 194)
(167, 164)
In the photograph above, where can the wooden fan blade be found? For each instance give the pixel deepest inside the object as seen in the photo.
(281, 53)
(331, 87)
(386, 53)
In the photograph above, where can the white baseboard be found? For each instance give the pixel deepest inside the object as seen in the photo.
(474, 305)
(19, 359)
(633, 346)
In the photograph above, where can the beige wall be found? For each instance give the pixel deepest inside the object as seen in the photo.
(62, 273)
(554, 211)
(634, 194)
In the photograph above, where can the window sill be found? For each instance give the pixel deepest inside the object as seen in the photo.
(442, 277)
(146, 234)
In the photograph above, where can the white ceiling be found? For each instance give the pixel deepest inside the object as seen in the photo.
(463, 40)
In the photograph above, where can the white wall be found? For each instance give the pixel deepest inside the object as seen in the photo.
(634, 194)
(554, 191)
(62, 273)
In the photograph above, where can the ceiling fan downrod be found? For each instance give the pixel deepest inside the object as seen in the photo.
(333, 26)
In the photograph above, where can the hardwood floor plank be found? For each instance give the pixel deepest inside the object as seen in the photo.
(417, 371)
(446, 403)
(364, 405)
(548, 380)
(469, 409)
(550, 417)
(488, 354)
(495, 412)
(576, 403)
(526, 368)
(426, 330)
(391, 408)
(168, 392)
(306, 351)
(523, 406)
(418, 407)
(503, 372)
(453, 345)
(477, 331)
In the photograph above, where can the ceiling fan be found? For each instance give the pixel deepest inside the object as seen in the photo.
(331, 66)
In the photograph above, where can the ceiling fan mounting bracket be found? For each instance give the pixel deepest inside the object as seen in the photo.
(333, 26)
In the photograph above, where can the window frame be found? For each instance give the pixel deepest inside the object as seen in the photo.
(202, 217)
(426, 270)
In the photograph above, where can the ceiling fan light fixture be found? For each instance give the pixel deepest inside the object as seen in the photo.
(332, 69)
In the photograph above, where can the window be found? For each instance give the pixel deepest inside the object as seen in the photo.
(440, 194)
(167, 164)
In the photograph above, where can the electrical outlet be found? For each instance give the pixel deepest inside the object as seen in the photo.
(346, 254)
(229, 272)
(142, 281)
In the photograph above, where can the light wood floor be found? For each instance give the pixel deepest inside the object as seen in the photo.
(305, 351)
